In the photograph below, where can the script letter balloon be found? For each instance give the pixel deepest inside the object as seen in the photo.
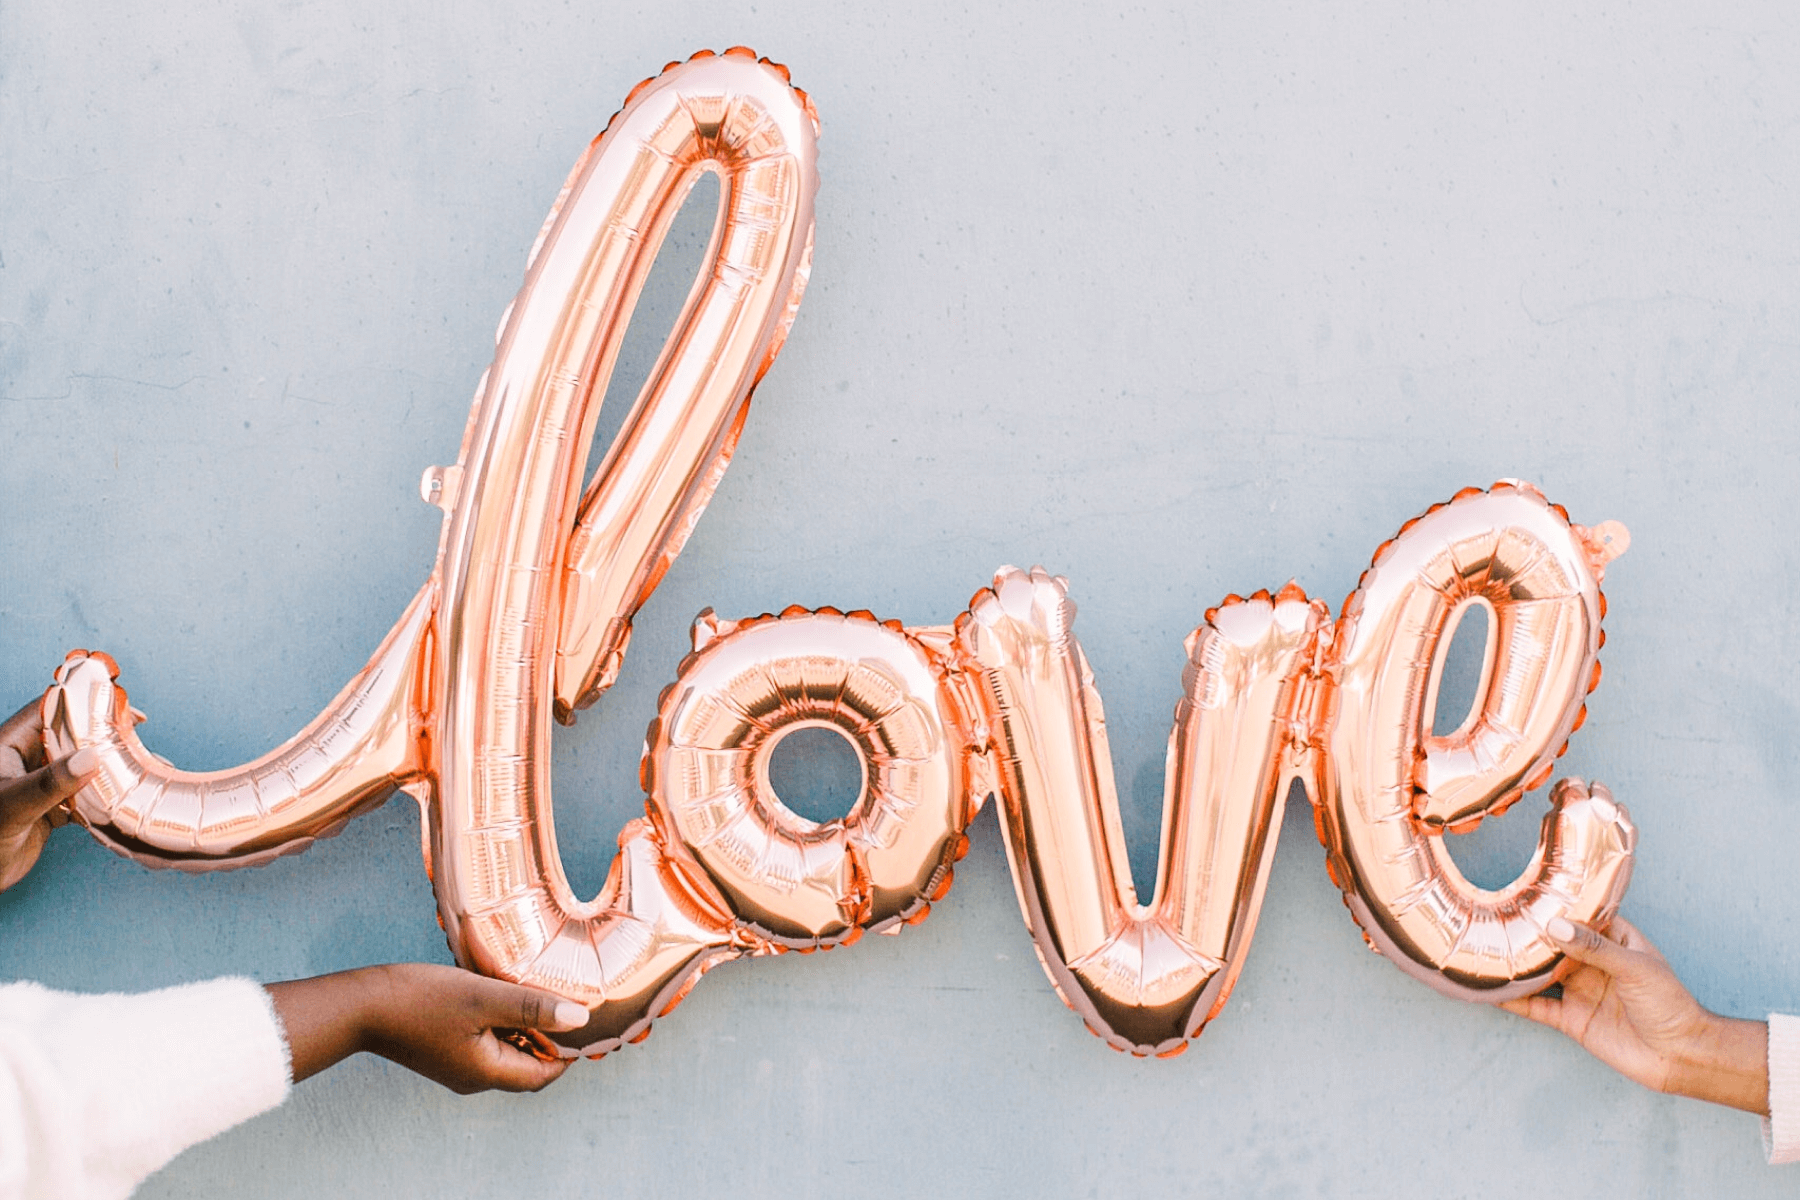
(1144, 977)
(347, 761)
(792, 882)
(508, 583)
(677, 441)
(457, 703)
(525, 619)
(1390, 790)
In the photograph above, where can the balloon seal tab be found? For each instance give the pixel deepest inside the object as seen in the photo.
(1603, 542)
(439, 485)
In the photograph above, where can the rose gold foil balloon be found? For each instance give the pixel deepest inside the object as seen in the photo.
(506, 570)
(1144, 977)
(1388, 789)
(791, 881)
(528, 609)
(724, 116)
(347, 761)
(1273, 693)
(527, 614)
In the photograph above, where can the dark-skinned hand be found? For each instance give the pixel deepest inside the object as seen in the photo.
(32, 791)
(447, 1024)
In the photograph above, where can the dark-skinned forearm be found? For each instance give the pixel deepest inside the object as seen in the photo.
(327, 1018)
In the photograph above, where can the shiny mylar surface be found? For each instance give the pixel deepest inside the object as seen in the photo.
(1144, 977)
(348, 760)
(533, 584)
(508, 580)
(1389, 789)
(790, 880)
(527, 615)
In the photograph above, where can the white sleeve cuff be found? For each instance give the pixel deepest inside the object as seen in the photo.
(106, 1089)
(1781, 1128)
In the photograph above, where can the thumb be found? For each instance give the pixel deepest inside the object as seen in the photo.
(513, 1006)
(28, 797)
(1586, 945)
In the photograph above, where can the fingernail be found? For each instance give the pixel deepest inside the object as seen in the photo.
(84, 760)
(1559, 928)
(571, 1015)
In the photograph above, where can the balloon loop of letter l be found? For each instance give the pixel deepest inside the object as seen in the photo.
(526, 616)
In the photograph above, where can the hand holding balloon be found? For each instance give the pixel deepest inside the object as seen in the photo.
(438, 1021)
(435, 1020)
(1626, 1007)
(32, 791)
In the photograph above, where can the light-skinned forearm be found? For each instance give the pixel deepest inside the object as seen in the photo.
(1727, 1063)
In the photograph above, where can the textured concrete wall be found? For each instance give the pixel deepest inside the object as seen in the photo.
(1177, 301)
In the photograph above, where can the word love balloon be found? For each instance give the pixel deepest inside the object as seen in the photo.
(527, 613)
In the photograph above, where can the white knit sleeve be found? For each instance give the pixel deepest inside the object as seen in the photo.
(1781, 1128)
(97, 1092)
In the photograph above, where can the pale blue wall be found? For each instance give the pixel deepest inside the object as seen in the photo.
(1177, 302)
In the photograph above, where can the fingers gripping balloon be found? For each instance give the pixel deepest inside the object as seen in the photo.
(526, 616)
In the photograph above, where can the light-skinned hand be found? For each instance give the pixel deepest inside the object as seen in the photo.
(1625, 1006)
